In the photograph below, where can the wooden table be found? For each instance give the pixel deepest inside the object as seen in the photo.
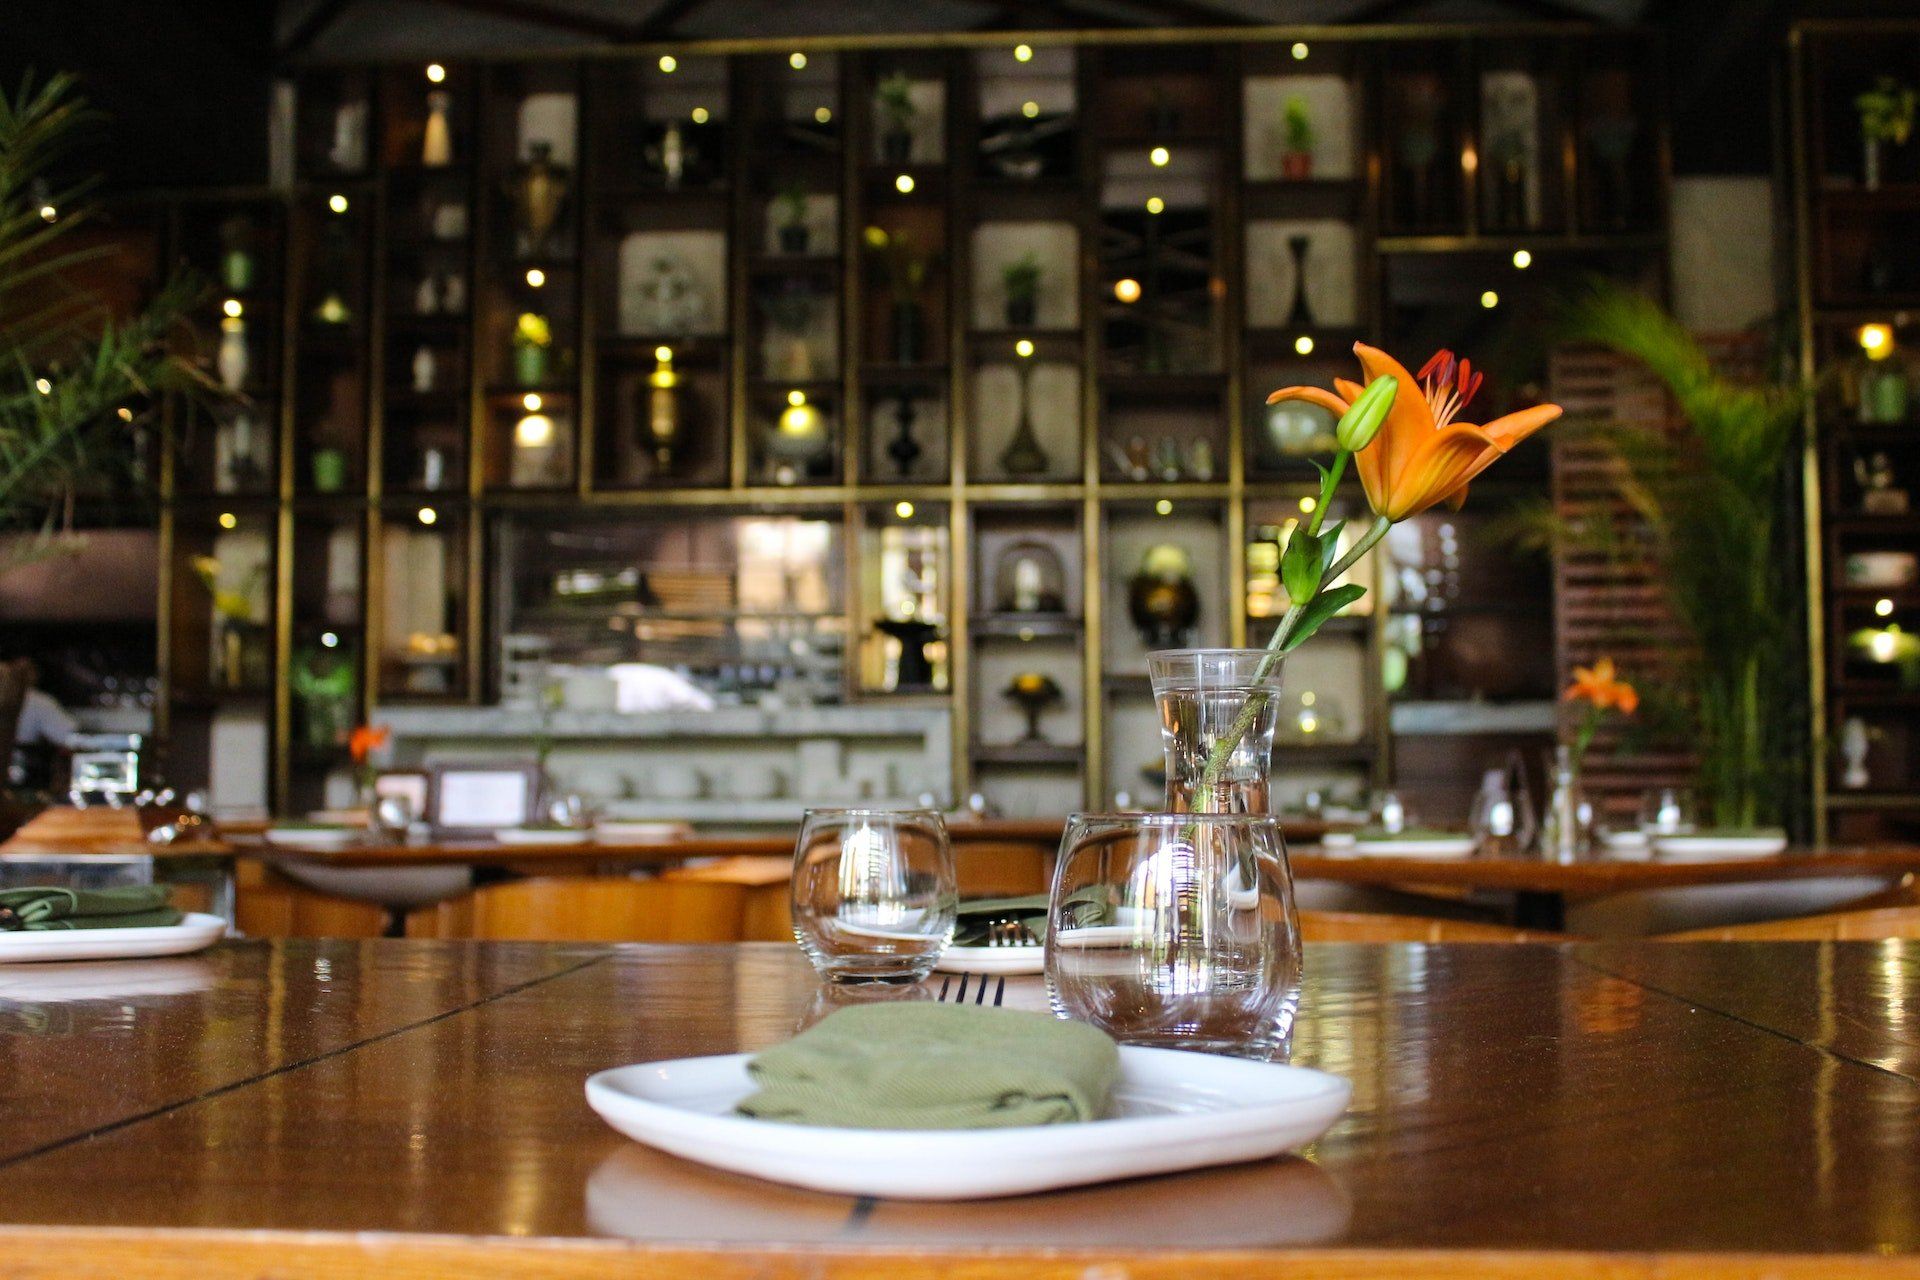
(1541, 890)
(394, 1108)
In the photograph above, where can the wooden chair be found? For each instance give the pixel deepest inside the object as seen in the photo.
(1001, 869)
(589, 909)
(1893, 912)
(766, 883)
(1362, 926)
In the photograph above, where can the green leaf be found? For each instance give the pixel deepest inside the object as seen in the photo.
(1301, 565)
(1329, 546)
(1324, 606)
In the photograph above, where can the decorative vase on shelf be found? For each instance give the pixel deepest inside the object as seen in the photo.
(1033, 692)
(539, 193)
(530, 364)
(903, 449)
(329, 470)
(436, 147)
(1023, 455)
(236, 255)
(1870, 163)
(663, 411)
(915, 668)
(1300, 314)
(1022, 309)
(425, 370)
(232, 360)
(1161, 599)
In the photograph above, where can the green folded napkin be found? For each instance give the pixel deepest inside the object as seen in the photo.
(131, 906)
(1378, 835)
(935, 1066)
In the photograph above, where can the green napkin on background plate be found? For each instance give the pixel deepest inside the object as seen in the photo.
(974, 921)
(935, 1066)
(131, 906)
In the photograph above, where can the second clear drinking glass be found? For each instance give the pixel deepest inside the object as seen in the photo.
(873, 893)
(1176, 930)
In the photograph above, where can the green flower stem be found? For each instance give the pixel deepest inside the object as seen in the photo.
(1276, 648)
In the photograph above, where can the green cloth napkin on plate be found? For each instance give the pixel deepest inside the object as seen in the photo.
(130, 906)
(935, 1066)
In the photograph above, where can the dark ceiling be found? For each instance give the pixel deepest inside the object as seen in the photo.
(185, 83)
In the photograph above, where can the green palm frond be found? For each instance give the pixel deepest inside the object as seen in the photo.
(1712, 501)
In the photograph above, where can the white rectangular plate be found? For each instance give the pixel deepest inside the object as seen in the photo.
(1447, 847)
(1171, 1111)
(1701, 848)
(197, 931)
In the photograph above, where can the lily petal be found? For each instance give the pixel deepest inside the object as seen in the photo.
(1445, 461)
(1506, 432)
(1312, 395)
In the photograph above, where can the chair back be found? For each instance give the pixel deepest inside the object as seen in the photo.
(592, 909)
(1832, 926)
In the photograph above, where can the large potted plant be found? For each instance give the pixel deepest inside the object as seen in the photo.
(1714, 502)
(77, 382)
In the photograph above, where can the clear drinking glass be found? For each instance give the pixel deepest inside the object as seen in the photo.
(1667, 811)
(1202, 695)
(873, 893)
(1176, 930)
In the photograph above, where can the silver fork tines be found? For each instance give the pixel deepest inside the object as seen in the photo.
(979, 992)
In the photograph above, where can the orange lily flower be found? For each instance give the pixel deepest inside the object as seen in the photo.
(1597, 684)
(365, 740)
(1421, 456)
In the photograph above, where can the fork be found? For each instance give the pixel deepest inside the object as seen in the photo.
(1010, 933)
(979, 992)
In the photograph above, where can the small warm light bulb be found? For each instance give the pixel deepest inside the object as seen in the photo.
(232, 308)
(337, 202)
(533, 431)
(1030, 109)
(1469, 159)
(531, 402)
(796, 398)
(904, 510)
(1885, 644)
(536, 277)
(1876, 340)
(701, 115)
(669, 63)
(1024, 348)
(1883, 607)
(1159, 156)
(1299, 50)
(663, 353)
(48, 213)
(228, 520)
(903, 184)
(1023, 53)
(823, 115)
(1522, 259)
(1303, 345)
(436, 72)
(1127, 290)
(126, 414)
(1156, 205)
(1489, 299)
(1164, 507)
(329, 640)
(44, 387)
(1307, 698)
(1307, 504)
(797, 60)
(428, 515)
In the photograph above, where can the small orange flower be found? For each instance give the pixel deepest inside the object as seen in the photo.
(1598, 685)
(1421, 456)
(366, 740)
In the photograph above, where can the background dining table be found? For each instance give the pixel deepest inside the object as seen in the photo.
(413, 1108)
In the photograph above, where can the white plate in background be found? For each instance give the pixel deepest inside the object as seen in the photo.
(196, 932)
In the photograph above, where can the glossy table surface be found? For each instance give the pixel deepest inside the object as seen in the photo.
(408, 1109)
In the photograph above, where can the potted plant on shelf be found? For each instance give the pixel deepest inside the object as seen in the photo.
(906, 270)
(1886, 116)
(79, 379)
(532, 345)
(1021, 280)
(1712, 501)
(791, 210)
(894, 96)
(1296, 162)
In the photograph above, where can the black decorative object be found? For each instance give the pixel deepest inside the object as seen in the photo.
(914, 635)
(903, 448)
(909, 332)
(1300, 314)
(1023, 455)
(1161, 599)
(1033, 692)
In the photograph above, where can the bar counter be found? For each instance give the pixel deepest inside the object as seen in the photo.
(415, 1109)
